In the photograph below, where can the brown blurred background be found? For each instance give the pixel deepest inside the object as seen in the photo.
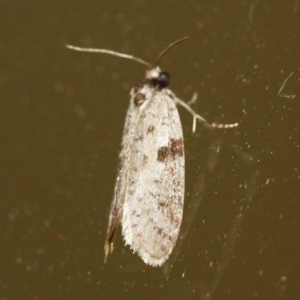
(62, 118)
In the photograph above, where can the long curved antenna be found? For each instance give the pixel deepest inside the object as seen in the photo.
(110, 52)
(168, 48)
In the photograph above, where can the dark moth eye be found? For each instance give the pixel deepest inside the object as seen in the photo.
(164, 79)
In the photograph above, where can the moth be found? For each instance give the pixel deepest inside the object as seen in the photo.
(149, 191)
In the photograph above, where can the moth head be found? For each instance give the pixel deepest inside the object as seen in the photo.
(159, 78)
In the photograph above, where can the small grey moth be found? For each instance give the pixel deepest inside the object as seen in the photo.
(149, 191)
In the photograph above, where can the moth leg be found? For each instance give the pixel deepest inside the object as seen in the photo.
(201, 119)
(193, 100)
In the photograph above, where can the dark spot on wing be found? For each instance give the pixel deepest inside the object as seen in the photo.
(139, 99)
(163, 153)
(150, 129)
(174, 148)
(145, 160)
(159, 231)
(139, 138)
(177, 147)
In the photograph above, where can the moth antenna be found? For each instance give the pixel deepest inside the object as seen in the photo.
(168, 48)
(110, 52)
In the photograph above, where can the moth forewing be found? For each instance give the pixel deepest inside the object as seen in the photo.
(152, 211)
(122, 178)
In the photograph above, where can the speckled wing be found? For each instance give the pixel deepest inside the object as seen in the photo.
(153, 204)
(116, 208)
